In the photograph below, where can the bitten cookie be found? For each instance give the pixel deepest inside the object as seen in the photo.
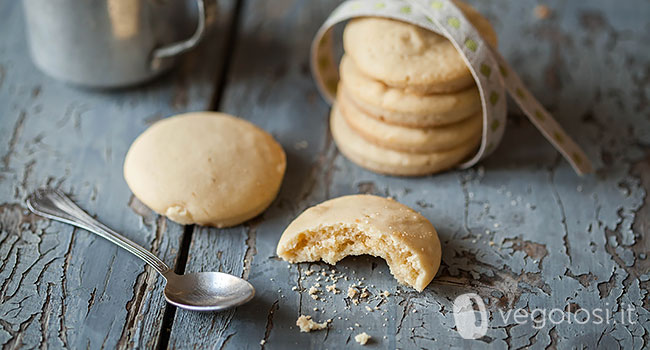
(405, 139)
(410, 57)
(365, 224)
(390, 162)
(397, 106)
(206, 168)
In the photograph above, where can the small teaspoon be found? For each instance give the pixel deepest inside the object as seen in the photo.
(203, 291)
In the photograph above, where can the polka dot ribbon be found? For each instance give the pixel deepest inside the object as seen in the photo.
(492, 73)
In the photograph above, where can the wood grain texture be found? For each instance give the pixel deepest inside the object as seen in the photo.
(66, 288)
(521, 230)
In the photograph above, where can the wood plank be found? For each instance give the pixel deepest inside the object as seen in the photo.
(522, 230)
(61, 287)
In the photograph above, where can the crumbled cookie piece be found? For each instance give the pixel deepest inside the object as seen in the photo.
(306, 324)
(364, 293)
(362, 338)
(352, 292)
(332, 289)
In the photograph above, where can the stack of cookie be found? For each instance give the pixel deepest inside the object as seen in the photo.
(406, 104)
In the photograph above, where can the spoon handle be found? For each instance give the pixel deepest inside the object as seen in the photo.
(53, 204)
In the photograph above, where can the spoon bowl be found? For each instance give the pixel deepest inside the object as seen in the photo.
(207, 291)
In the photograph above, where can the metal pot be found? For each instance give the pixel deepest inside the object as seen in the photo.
(111, 43)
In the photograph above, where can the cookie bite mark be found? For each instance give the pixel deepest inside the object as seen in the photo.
(333, 243)
(365, 224)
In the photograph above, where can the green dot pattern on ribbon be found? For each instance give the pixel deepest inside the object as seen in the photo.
(380, 5)
(494, 98)
(486, 70)
(558, 137)
(454, 22)
(520, 93)
(504, 71)
(577, 158)
(471, 44)
(436, 5)
(332, 85)
(539, 115)
(495, 125)
(405, 9)
(323, 62)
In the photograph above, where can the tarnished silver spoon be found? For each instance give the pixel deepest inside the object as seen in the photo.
(203, 291)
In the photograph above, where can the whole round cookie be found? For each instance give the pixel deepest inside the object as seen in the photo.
(410, 57)
(405, 139)
(205, 168)
(397, 106)
(365, 224)
(386, 161)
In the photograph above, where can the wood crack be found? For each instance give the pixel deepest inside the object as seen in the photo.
(558, 200)
(269, 322)
(13, 140)
(45, 316)
(251, 249)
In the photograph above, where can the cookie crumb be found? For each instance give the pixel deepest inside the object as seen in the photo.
(309, 272)
(307, 325)
(362, 338)
(542, 11)
(313, 290)
(332, 289)
(352, 292)
(364, 293)
(368, 308)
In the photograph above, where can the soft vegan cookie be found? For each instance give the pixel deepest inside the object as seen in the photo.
(410, 57)
(391, 162)
(405, 139)
(397, 106)
(206, 168)
(365, 224)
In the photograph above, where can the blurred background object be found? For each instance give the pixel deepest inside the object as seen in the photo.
(112, 43)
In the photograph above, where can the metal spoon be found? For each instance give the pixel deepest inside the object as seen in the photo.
(203, 291)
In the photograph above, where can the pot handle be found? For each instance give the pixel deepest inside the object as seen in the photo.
(180, 47)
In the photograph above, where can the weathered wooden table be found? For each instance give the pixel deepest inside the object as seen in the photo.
(521, 230)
